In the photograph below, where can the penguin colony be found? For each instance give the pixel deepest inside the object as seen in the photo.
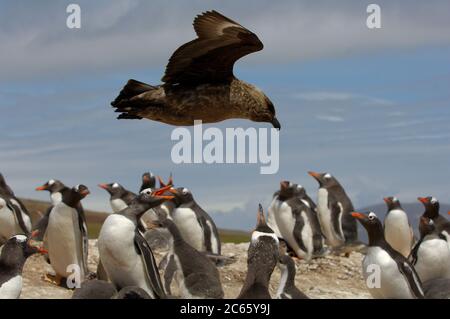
(296, 229)
(199, 83)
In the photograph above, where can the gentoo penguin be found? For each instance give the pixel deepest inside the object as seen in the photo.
(397, 229)
(14, 216)
(432, 211)
(318, 237)
(197, 276)
(388, 274)
(126, 256)
(286, 288)
(120, 198)
(199, 81)
(438, 288)
(12, 259)
(431, 255)
(263, 254)
(195, 225)
(95, 289)
(292, 218)
(55, 187)
(67, 237)
(334, 208)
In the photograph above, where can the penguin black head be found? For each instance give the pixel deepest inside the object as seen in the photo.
(287, 190)
(426, 226)
(182, 195)
(431, 206)
(114, 189)
(300, 191)
(4, 188)
(81, 190)
(392, 203)
(325, 180)
(53, 186)
(17, 249)
(372, 224)
(148, 181)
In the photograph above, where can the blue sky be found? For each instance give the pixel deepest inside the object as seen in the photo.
(369, 106)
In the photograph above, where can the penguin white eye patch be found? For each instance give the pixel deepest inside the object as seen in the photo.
(433, 200)
(51, 182)
(115, 185)
(372, 215)
(327, 175)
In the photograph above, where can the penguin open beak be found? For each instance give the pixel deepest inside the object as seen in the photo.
(423, 200)
(104, 186)
(260, 219)
(41, 188)
(159, 193)
(358, 215)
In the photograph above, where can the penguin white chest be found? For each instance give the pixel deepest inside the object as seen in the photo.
(286, 225)
(398, 232)
(382, 276)
(433, 259)
(12, 288)
(64, 239)
(56, 198)
(118, 254)
(324, 213)
(7, 223)
(271, 220)
(118, 204)
(189, 227)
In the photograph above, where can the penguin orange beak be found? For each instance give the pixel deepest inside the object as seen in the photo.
(423, 200)
(358, 215)
(448, 212)
(314, 174)
(41, 188)
(104, 186)
(159, 193)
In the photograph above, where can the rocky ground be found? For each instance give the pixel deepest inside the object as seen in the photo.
(327, 277)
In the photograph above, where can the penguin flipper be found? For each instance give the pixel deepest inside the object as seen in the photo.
(151, 268)
(18, 213)
(84, 236)
(413, 254)
(412, 279)
(298, 227)
(336, 216)
(42, 224)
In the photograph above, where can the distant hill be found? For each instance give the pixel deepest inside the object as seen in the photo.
(96, 219)
(414, 211)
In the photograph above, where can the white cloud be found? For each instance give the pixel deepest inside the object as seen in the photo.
(330, 118)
